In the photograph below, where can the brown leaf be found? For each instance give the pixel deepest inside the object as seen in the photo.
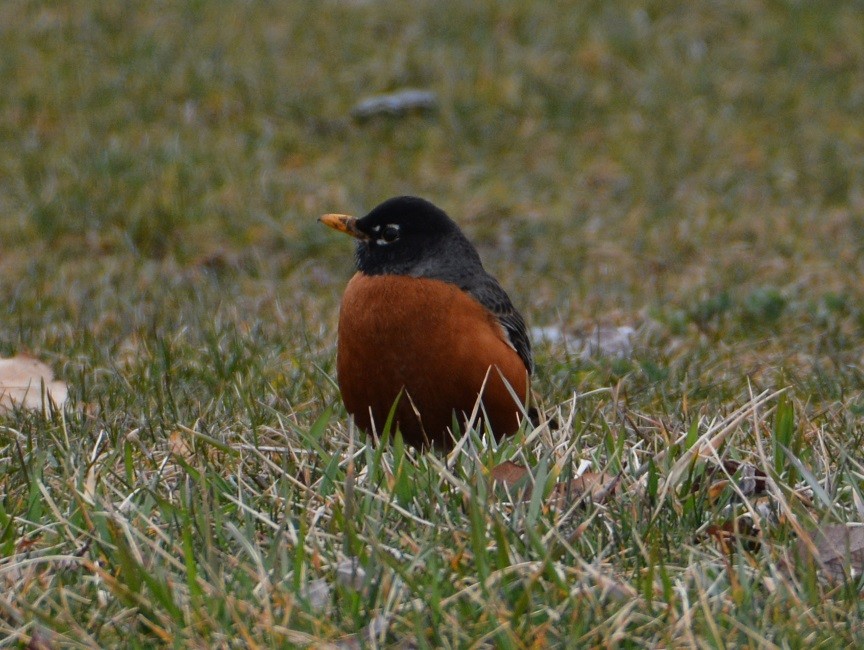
(27, 382)
(516, 480)
(509, 472)
(596, 485)
(180, 447)
(716, 489)
(839, 551)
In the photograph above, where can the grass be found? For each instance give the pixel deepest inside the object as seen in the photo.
(695, 171)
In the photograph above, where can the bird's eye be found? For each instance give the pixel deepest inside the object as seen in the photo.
(390, 233)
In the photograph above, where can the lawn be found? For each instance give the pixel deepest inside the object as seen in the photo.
(694, 171)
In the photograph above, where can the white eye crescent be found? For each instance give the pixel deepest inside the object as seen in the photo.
(389, 234)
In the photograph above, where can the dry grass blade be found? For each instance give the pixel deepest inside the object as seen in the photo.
(710, 441)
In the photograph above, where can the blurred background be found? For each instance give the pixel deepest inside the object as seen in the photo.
(699, 165)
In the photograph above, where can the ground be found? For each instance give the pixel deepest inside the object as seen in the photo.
(692, 170)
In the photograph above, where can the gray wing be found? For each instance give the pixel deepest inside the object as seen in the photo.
(489, 293)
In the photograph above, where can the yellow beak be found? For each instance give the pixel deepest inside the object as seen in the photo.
(343, 223)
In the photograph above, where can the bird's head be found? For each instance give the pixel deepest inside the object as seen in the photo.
(405, 235)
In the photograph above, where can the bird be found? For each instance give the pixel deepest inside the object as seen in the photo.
(424, 330)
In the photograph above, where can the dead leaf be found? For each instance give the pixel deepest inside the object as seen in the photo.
(180, 447)
(716, 489)
(597, 485)
(509, 472)
(28, 383)
(512, 479)
(839, 551)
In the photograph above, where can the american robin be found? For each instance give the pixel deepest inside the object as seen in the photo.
(423, 323)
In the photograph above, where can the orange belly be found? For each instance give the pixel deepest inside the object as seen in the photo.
(434, 345)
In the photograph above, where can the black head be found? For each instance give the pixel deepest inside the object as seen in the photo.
(407, 235)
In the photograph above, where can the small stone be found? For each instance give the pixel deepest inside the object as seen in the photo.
(395, 104)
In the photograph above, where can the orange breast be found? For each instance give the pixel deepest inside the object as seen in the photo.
(433, 343)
